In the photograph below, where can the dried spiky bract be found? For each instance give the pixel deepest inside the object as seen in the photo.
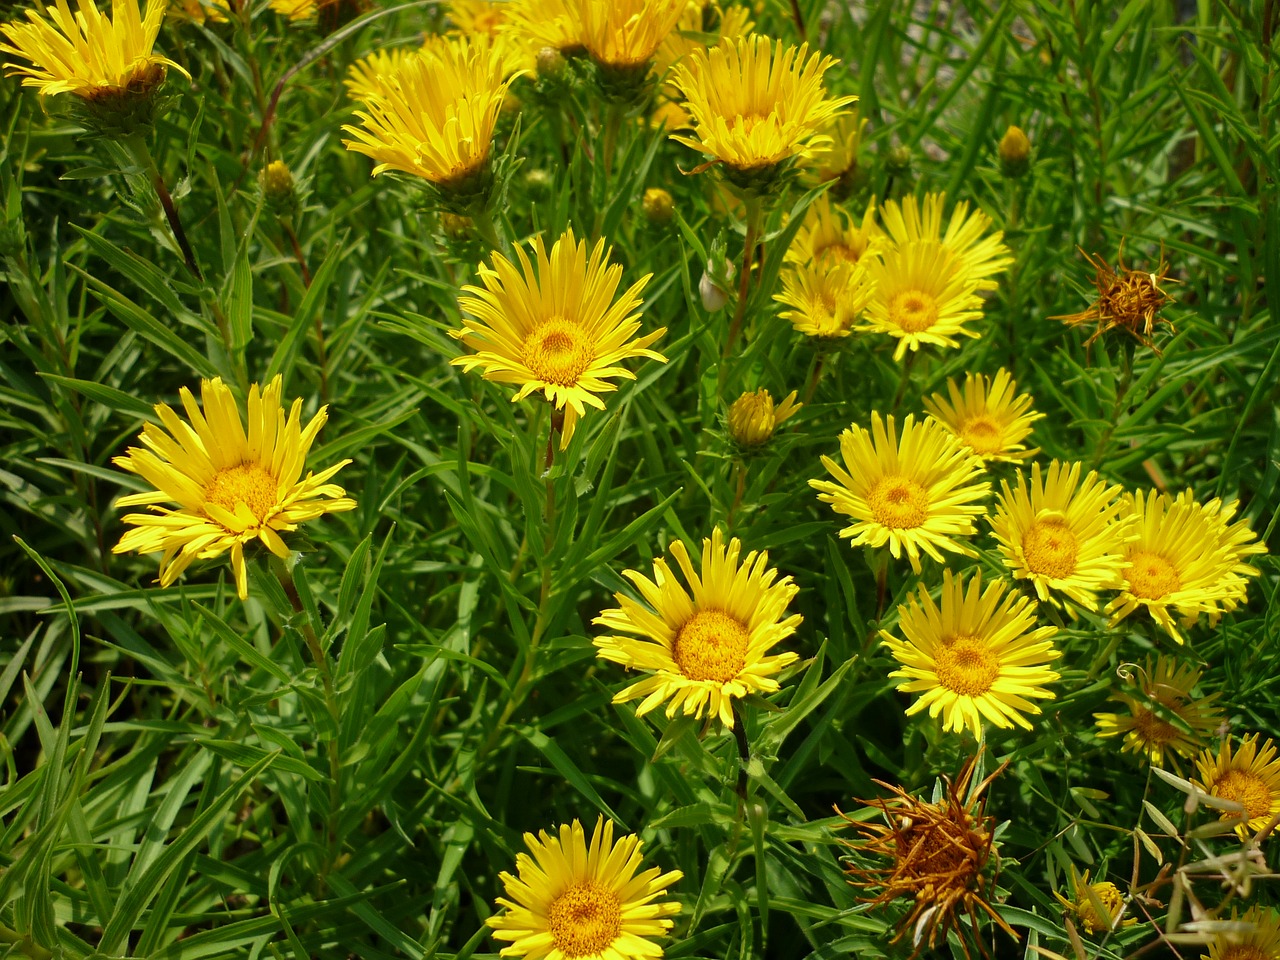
(1128, 300)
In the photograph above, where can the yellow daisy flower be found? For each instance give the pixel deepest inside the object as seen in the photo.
(1258, 940)
(472, 17)
(755, 103)
(839, 159)
(233, 483)
(1163, 714)
(295, 9)
(572, 900)
(1098, 906)
(87, 54)
(980, 256)
(708, 645)
(697, 21)
(1249, 776)
(825, 301)
(367, 77)
(1063, 534)
(828, 238)
(987, 416)
(977, 655)
(545, 23)
(916, 494)
(753, 417)
(625, 34)
(555, 328)
(922, 295)
(434, 117)
(1187, 559)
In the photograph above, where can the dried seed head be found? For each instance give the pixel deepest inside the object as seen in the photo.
(1128, 300)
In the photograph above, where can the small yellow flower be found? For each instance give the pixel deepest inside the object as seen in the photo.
(828, 238)
(838, 160)
(917, 494)
(573, 900)
(987, 416)
(980, 257)
(709, 645)
(1064, 534)
(658, 205)
(87, 54)
(753, 417)
(555, 328)
(923, 294)
(1188, 559)
(1163, 714)
(756, 103)
(233, 483)
(977, 656)
(1015, 152)
(1098, 906)
(200, 11)
(1258, 940)
(1249, 776)
(825, 301)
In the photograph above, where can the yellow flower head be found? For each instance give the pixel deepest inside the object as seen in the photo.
(87, 54)
(828, 238)
(1063, 534)
(434, 117)
(1163, 714)
(200, 11)
(839, 159)
(980, 256)
(625, 34)
(825, 301)
(574, 900)
(1188, 559)
(1254, 935)
(753, 417)
(556, 327)
(1249, 776)
(756, 103)
(1098, 906)
(708, 645)
(923, 294)
(295, 9)
(698, 21)
(545, 23)
(233, 482)
(366, 77)
(916, 494)
(987, 416)
(472, 17)
(979, 655)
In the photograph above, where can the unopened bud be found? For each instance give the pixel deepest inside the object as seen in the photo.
(276, 180)
(899, 159)
(538, 183)
(659, 206)
(1015, 152)
(753, 417)
(455, 226)
(713, 287)
(550, 63)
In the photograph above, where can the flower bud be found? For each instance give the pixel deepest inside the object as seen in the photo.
(659, 206)
(1015, 152)
(539, 184)
(455, 226)
(550, 64)
(753, 417)
(714, 285)
(278, 189)
(899, 159)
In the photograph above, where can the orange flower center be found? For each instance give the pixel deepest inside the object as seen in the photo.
(711, 646)
(913, 311)
(834, 252)
(1051, 548)
(585, 919)
(1151, 576)
(966, 666)
(1247, 789)
(248, 483)
(982, 434)
(898, 503)
(558, 351)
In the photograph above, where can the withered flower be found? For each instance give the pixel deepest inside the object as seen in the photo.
(939, 854)
(1128, 300)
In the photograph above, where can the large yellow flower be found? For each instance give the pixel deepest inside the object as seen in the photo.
(556, 327)
(434, 117)
(923, 294)
(825, 301)
(755, 103)
(1260, 940)
(1062, 533)
(1187, 559)
(708, 645)
(233, 484)
(625, 34)
(987, 416)
(572, 901)
(980, 256)
(828, 238)
(1164, 715)
(917, 495)
(1249, 776)
(979, 655)
(86, 53)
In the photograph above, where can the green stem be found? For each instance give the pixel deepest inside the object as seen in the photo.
(284, 573)
(136, 144)
(612, 124)
(483, 222)
(23, 943)
(815, 375)
(754, 206)
(906, 377)
(1122, 394)
(744, 750)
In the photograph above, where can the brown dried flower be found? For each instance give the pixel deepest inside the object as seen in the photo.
(1128, 300)
(939, 853)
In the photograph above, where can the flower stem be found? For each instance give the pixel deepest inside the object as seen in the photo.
(485, 226)
(24, 944)
(744, 750)
(136, 144)
(754, 207)
(815, 376)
